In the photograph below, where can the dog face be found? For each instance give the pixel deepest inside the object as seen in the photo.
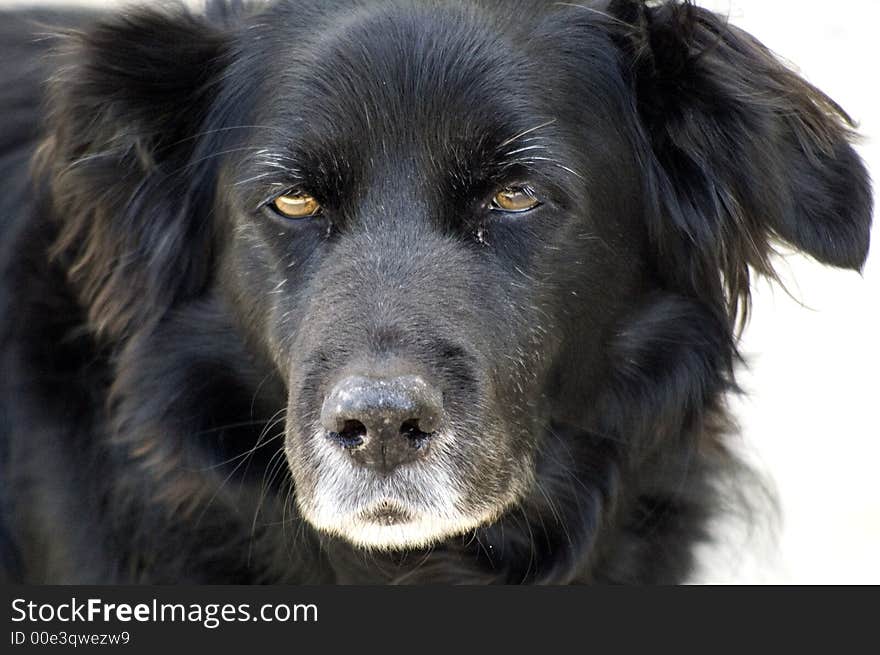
(486, 251)
(425, 204)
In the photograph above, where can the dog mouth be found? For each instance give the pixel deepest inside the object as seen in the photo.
(386, 513)
(416, 506)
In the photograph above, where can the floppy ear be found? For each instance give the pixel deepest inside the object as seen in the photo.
(130, 184)
(742, 150)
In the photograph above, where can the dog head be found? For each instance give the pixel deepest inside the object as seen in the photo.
(490, 254)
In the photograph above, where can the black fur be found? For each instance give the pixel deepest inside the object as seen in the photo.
(167, 341)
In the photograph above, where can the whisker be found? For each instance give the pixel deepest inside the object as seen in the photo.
(593, 10)
(223, 484)
(506, 143)
(276, 463)
(198, 135)
(510, 153)
(211, 156)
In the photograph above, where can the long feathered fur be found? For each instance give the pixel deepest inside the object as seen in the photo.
(149, 423)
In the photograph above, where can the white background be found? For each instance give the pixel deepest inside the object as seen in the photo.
(810, 420)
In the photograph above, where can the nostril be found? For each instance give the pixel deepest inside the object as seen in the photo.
(351, 435)
(382, 422)
(411, 430)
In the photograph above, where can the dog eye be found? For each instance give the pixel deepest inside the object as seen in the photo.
(296, 205)
(515, 200)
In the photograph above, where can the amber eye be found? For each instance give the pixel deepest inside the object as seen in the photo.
(296, 205)
(516, 199)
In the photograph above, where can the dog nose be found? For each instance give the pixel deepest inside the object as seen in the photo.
(382, 422)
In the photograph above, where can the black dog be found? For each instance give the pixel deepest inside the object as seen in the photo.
(415, 291)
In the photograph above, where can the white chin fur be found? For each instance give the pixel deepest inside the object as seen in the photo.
(344, 497)
(419, 532)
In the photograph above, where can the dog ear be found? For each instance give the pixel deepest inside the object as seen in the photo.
(742, 150)
(130, 184)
